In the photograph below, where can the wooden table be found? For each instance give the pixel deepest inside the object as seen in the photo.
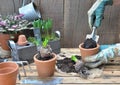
(111, 73)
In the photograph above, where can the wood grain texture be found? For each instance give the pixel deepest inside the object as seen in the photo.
(111, 73)
(71, 19)
(76, 23)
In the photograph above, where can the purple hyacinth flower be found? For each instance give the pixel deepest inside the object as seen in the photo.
(19, 16)
(14, 26)
(2, 23)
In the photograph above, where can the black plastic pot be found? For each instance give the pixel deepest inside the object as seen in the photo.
(55, 45)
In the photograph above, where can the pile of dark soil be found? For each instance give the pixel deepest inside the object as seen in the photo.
(67, 65)
(89, 43)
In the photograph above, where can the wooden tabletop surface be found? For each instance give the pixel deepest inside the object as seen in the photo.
(110, 75)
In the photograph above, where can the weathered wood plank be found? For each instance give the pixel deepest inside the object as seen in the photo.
(6, 7)
(78, 80)
(53, 9)
(76, 23)
(85, 84)
(70, 17)
(75, 84)
(111, 74)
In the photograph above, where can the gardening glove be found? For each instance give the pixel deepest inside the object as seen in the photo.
(95, 13)
(103, 56)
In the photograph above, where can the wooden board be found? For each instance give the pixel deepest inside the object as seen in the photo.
(71, 19)
(111, 74)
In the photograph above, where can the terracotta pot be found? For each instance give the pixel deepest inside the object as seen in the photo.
(45, 68)
(22, 40)
(4, 38)
(8, 73)
(88, 52)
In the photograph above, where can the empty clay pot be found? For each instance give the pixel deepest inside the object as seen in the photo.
(8, 73)
(88, 52)
(22, 40)
(45, 68)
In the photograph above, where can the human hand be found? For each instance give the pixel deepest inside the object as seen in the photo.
(103, 56)
(95, 13)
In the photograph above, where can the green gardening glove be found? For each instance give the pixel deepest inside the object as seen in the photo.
(103, 56)
(95, 14)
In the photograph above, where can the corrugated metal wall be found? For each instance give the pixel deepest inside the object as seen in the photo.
(70, 17)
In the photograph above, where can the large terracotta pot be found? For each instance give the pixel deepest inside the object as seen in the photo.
(45, 68)
(4, 38)
(88, 52)
(8, 73)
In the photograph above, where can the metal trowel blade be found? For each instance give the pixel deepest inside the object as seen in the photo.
(95, 38)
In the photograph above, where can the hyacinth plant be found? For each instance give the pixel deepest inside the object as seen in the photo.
(12, 24)
(45, 27)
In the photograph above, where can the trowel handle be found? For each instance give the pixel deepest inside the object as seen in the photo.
(93, 32)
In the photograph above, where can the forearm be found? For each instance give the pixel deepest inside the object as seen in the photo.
(94, 6)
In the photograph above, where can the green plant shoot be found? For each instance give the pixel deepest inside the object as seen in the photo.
(45, 42)
(33, 40)
(73, 57)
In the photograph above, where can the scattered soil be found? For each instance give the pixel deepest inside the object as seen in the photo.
(89, 43)
(67, 65)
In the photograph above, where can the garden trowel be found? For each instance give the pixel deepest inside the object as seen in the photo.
(93, 35)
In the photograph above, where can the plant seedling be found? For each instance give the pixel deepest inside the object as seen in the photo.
(45, 49)
(73, 58)
(78, 63)
(80, 67)
(45, 43)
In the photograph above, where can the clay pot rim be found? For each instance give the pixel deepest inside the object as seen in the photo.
(80, 46)
(15, 69)
(22, 43)
(54, 58)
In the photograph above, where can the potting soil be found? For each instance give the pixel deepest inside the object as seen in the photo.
(45, 58)
(89, 43)
(66, 65)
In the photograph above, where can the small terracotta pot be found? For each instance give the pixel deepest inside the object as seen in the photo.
(8, 73)
(45, 68)
(88, 52)
(22, 40)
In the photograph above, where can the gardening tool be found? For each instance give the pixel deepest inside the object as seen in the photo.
(85, 72)
(37, 81)
(93, 35)
(29, 11)
(15, 57)
(80, 67)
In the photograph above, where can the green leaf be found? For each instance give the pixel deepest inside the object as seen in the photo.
(73, 57)
(45, 42)
(34, 24)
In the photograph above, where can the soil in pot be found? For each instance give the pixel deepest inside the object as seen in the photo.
(48, 57)
(45, 65)
(89, 43)
(88, 48)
